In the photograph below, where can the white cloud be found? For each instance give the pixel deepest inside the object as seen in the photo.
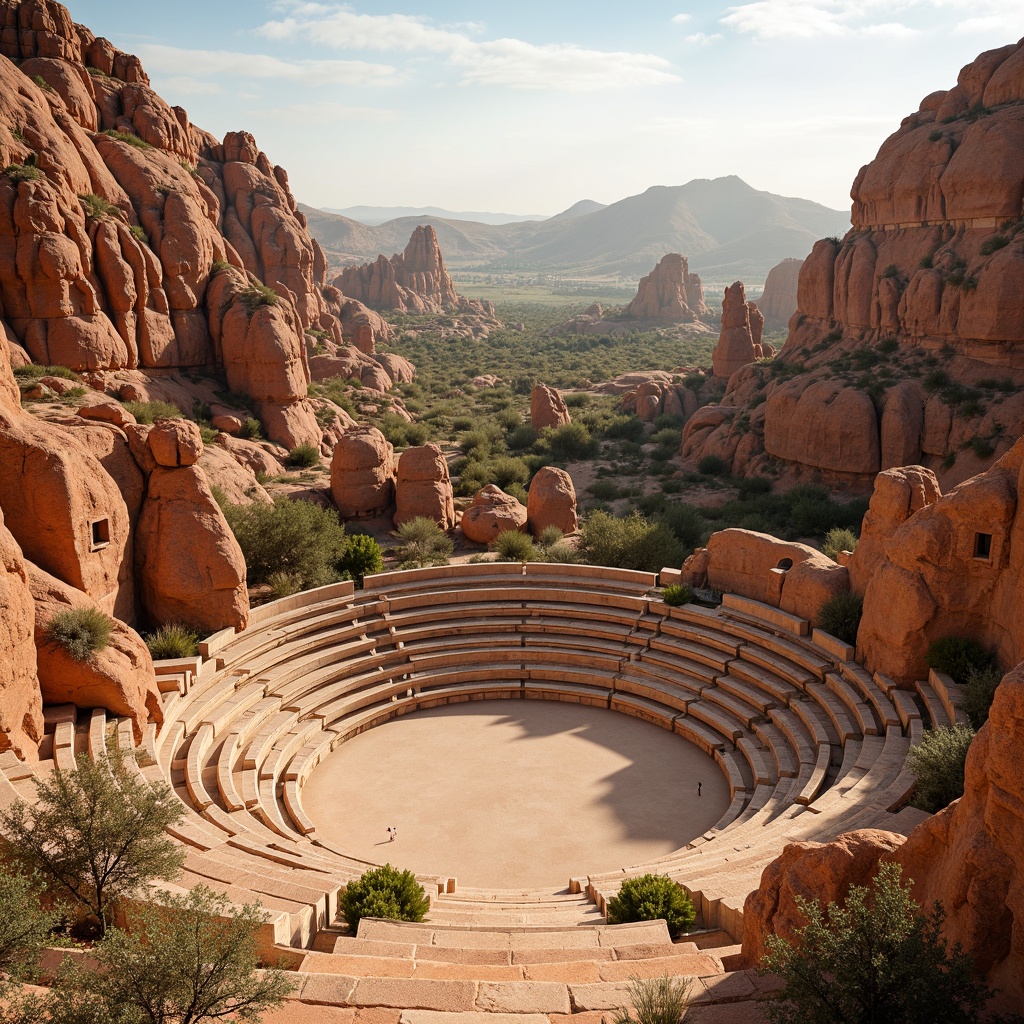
(325, 113)
(513, 63)
(680, 19)
(212, 63)
(703, 39)
(809, 19)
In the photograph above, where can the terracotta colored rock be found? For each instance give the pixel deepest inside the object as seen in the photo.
(363, 473)
(814, 871)
(670, 292)
(21, 707)
(778, 301)
(552, 501)
(492, 512)
(397, 367)
(256, 456)
(547, 408)
(898, 494)
(648, 401)
(65, 511)
(424, 487)
(10, 396)
(119, 678)
(810, 583)
(237, 481)
(107, 410)
(956, 565)
(735, 346)
(189, 566)
(902, 425)
(175, 443)
(361, 326)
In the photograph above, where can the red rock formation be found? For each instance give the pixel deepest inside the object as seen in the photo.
(492, 512)
(21, 707)
(954, 567)
(669, 292)
(778, 301)
(423, 487)
(552, 501)
(547, 408)
(363, 473)
(735, 348)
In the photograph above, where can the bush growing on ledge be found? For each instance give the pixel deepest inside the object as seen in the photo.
(383, 892)
(257, 295)
(956, 656)
(305, 455)
(840, 616)
(150, 412)
(938, 765)
(22, 172)
(676, 594)
(839, 538)
(656, 1001)
(80, 632)
(652, 898)
(173, 640)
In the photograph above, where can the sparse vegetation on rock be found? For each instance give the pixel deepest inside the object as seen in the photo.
(81, 632)
(938, 763)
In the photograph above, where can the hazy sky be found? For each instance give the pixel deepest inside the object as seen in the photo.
(527, 106)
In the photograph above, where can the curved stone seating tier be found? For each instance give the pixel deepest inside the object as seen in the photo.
(810, 744)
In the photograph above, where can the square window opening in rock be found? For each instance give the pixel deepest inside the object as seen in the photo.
(983, 545)
(99, 534)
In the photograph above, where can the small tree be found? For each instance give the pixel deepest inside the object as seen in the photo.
(183, 962)
(938, 763)
(384, 892)
(362, 557)
(651, 898)
(656, 1001)
(96, 834)
(24, 928)
(873, 960)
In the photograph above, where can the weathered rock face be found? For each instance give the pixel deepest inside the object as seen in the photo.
(190, 567)
(552, 501)
(119, 678)
(547, 408)
(735, 348)
(492, 512)
(954, 567)
(423, 487)
(363, 473)
(670, 292)
(790, 576)
(778, 301)
(175, 443)
(925, 284)
(21, 707)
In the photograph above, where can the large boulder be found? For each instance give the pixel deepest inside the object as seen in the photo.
(423, 487)
(492, 512)
(670, 292)
(21, 707)
(552, 501)
(119, 678)
(547, 408)
(190, 567)
(175, 443)
(363, 473)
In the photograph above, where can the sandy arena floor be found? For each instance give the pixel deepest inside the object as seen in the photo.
(514, 793)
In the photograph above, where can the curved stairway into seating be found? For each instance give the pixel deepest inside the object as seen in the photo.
(810, 743)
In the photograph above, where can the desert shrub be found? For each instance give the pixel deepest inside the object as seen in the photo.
(518, 491)
(656, 1001)
(626, 428)
(956, 656)
(80, 632)
(294, 538)
(982, 447)
(571, 442)
(686, 522)
(513, 546)
(252, 429)
(257, 295)
(383, 892)
(506, 470)
(98, 208)
(24, 928)
(712, 465)
(604, 490)
(138, 233)
(306, 455)
(33, 370)
(173, 640)
(979, 692)
(874, 958)
(938, 765)
(550, 536)
(630, 543)
(22, 172)
(283, 584)
(522, 437)
(839, 538)
(563, 553)
(991, 245)
(421, 542)
(129, 137)
(150, 412)
(676, 594)
(362, 557)
(652, 898)
(753, 485)
(840, 616)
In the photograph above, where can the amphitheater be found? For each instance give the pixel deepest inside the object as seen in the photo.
(808, 745)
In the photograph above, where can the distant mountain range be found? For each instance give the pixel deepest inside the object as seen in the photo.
(726, 228)
(374, 215)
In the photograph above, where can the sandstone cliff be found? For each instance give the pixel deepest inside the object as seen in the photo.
(908, 343)
(778, 301)
(669, 292)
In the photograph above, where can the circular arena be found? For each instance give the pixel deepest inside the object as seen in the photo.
(791, 739)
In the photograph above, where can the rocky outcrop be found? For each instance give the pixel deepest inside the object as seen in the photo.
(778, 302)
(21, 706)
(552, 501)
(423, 487)
(736, 343)
(492, 512)
(669, 293)
(363, 473)
(547, 408)
(119, 677)
(954, 567)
